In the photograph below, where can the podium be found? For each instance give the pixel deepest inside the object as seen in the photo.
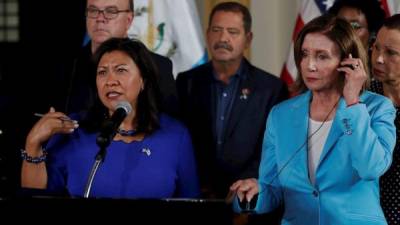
(129, 211)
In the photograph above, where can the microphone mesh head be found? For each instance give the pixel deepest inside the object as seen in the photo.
(125, 106)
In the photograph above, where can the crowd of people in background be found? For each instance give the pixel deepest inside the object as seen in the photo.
(227, 129)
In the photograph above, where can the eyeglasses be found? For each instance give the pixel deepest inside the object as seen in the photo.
(356, 25)
(108, 13)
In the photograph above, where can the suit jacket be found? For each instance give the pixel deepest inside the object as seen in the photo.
(241, 147)
(357, 151)
(81, 83)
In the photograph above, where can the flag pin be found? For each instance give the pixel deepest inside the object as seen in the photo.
(245, 93)
(146, 151)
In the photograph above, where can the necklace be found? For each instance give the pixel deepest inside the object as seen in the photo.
(126, 132)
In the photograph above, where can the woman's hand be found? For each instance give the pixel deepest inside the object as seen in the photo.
(355, 76)
(245, 188)
(51, 123)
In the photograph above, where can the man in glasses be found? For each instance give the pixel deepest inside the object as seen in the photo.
(106, 19)
(365, 16)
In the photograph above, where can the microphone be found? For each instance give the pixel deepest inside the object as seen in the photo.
(107, 132)
(110, 126)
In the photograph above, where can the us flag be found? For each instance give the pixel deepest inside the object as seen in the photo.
(308, 10)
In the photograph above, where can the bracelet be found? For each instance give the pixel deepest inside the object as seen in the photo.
(35, 160)
(354, 103)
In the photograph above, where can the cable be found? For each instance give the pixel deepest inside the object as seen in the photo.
(298, 149)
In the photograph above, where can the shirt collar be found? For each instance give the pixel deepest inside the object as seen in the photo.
(238, 74)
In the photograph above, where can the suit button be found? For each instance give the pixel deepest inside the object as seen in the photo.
(315, 193)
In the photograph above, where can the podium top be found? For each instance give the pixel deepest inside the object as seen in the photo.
(182, 210)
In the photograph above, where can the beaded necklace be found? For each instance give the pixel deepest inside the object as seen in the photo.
(126, 132)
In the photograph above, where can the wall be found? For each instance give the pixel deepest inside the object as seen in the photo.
(273, 23)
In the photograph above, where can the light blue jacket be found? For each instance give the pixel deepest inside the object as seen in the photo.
(357, 152)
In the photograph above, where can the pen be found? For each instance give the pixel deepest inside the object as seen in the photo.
(61, 117)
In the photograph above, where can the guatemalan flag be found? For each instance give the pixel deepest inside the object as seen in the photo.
(171, 28)
(310, 9)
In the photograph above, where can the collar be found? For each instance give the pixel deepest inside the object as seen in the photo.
(240, 72)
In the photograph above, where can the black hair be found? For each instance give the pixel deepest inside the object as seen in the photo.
(233, 7)
(393, 22)
(148, 102)
(372, 10)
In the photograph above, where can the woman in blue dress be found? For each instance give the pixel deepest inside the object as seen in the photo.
(150, 156)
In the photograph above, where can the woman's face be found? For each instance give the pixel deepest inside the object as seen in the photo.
(118, 78)
(386, 56)
(358, 21)
(319, 59)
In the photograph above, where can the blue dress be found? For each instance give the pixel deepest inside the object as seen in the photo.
(162, 165)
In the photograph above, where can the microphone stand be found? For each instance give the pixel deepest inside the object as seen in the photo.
(102, 142)
(99, 159)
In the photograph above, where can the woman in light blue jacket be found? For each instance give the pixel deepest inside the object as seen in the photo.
(324, 150)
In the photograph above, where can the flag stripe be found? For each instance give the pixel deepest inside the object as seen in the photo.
(385, 7)
(286, 76)
(298, 27)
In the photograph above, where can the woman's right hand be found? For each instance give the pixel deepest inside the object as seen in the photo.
(51, 123)
(246, 188)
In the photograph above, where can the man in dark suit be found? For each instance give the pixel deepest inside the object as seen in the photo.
(106, 19)
(225, 104)
(226, 101)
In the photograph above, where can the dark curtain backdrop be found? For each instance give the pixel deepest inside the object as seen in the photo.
(51, 33)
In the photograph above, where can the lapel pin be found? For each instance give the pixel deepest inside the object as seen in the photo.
(245, 93)
(146, 151)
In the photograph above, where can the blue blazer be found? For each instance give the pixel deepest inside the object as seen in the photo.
(357, 152)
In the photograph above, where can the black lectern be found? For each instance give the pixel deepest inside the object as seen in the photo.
(138, 211)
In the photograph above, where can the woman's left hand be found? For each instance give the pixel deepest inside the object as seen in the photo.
(355, 76)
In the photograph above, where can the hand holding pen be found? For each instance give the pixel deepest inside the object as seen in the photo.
(50, 123)
(60, 118)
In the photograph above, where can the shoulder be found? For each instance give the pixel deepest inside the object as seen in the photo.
(171, 134)
(263, 76)
(373, 100)
(288, 105)
(171, 125)
(197, 76)
(160, 60)
(196, 71)
(264, 80)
